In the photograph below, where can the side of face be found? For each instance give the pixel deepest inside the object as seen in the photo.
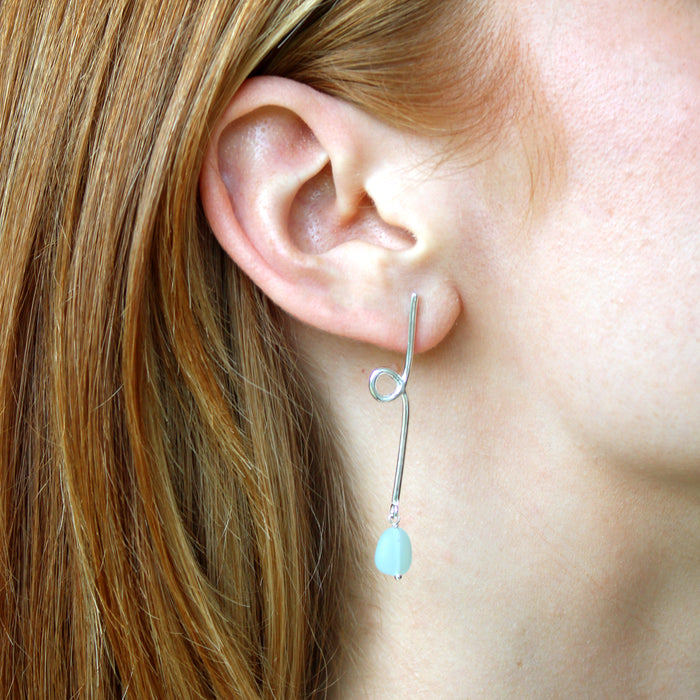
(622, 257)
(590, 302)
(600, 297)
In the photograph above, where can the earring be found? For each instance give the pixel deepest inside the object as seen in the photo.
(393, 554)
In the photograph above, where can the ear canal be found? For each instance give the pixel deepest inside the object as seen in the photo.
(279, 177)
(317, 225)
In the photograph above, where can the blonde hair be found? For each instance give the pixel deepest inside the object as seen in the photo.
(173, 515)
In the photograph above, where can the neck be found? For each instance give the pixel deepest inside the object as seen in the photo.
(529, 595)
(538, 569)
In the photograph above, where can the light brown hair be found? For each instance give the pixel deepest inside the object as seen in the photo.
(173, 515)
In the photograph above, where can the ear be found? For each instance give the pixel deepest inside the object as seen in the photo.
(300, 190)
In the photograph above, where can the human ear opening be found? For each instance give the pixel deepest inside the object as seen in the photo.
(317, 223)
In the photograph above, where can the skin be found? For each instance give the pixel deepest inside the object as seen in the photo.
(552, 482)
(552, 486)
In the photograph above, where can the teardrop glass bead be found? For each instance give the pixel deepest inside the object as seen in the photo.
(393, 554)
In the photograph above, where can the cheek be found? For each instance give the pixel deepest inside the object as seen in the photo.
(612, 335)
(611, 295)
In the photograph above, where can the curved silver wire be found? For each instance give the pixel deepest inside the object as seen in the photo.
(399, 390)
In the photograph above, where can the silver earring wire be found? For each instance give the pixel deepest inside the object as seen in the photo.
(400, 382)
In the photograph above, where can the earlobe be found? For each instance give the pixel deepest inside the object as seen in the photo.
(284, 188)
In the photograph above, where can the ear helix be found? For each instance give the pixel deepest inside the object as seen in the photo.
(393, 555)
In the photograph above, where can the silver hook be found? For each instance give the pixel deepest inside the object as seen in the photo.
(399, 390)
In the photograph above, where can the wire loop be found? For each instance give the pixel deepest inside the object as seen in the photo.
(399, 389)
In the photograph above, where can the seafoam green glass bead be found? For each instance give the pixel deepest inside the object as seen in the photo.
(393, 554)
